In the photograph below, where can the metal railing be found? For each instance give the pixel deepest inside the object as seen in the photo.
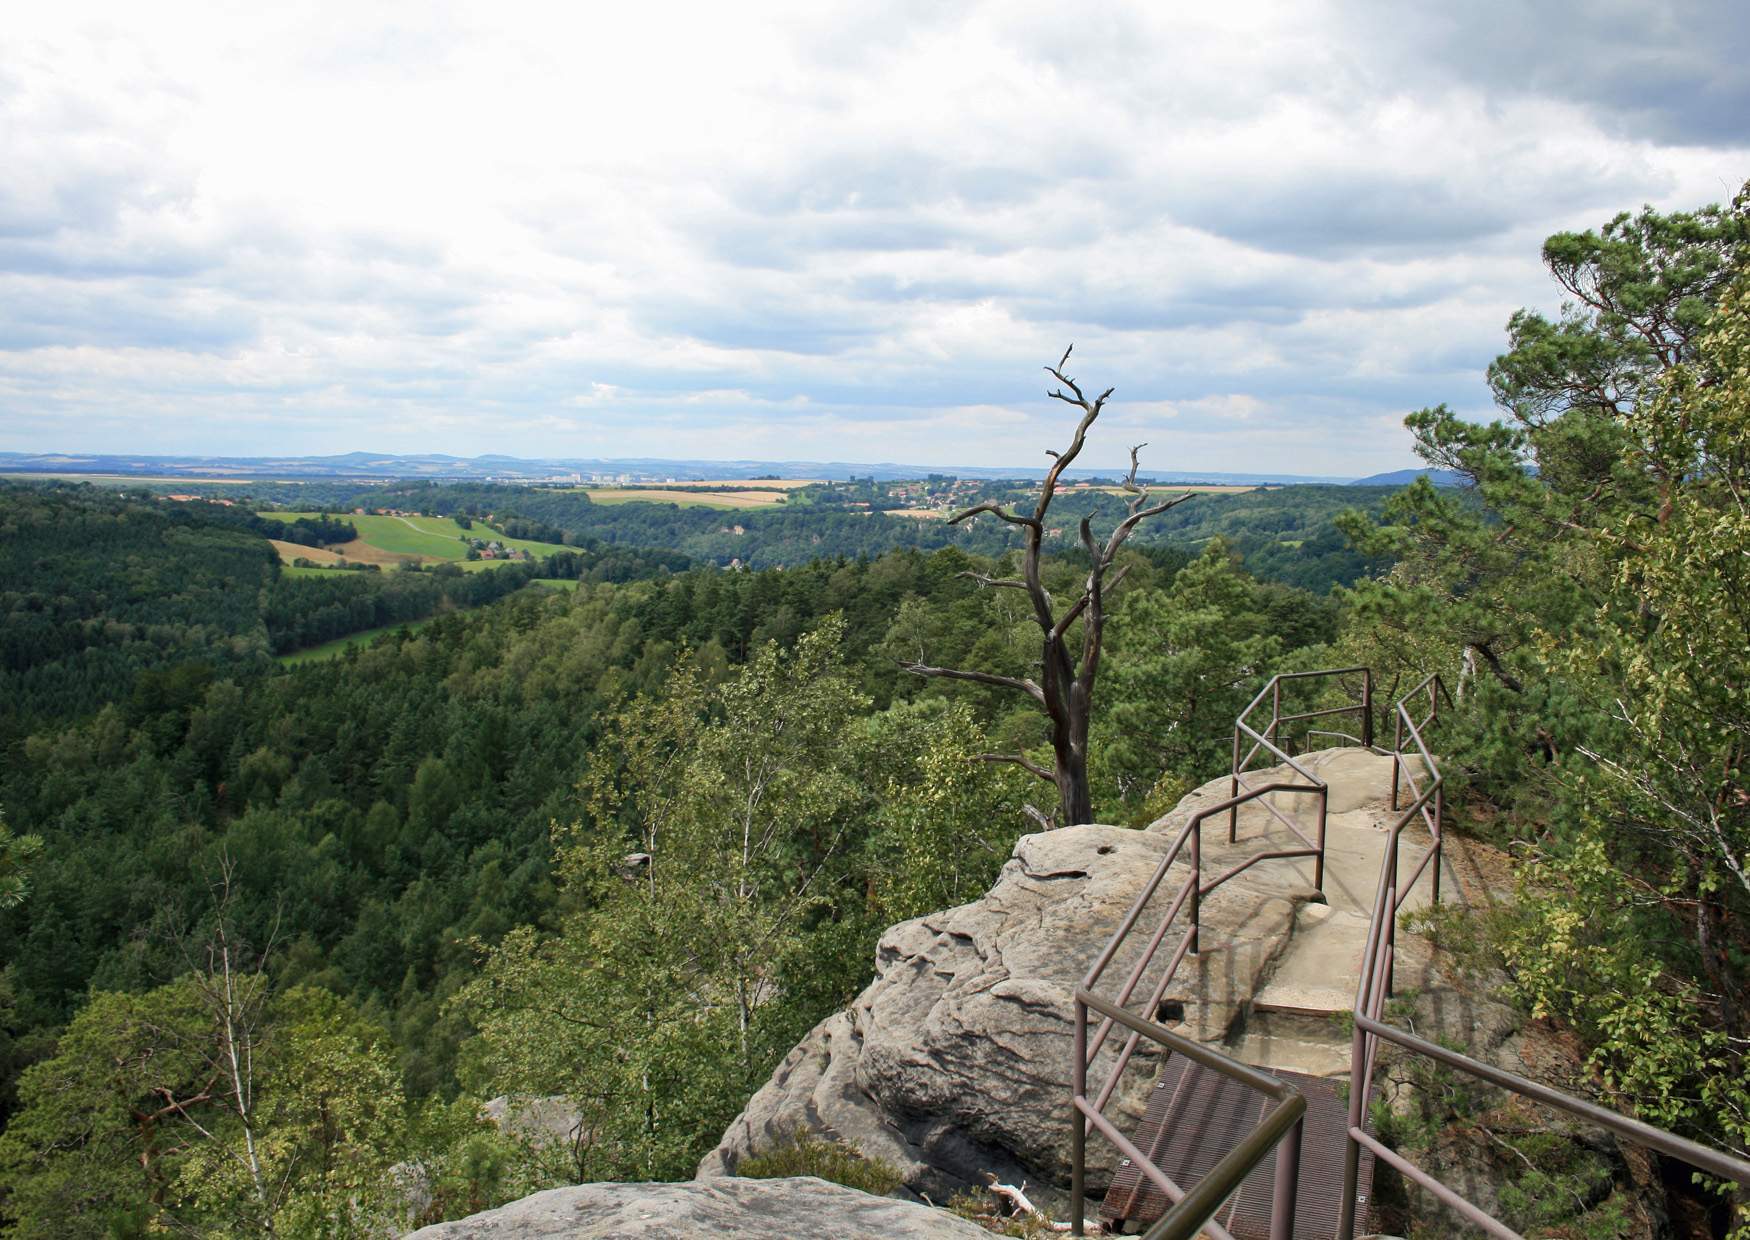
(1375, 987)
(1192, 1210)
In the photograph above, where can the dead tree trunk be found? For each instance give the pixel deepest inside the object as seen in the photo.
(1064, 689)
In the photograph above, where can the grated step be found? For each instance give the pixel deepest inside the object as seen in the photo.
(1197, 1116)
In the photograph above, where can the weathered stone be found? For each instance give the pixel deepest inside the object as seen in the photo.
(801, 1208)
(956, 1060)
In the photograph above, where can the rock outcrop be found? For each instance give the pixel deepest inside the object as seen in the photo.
(800, 1208)
(955, 1061)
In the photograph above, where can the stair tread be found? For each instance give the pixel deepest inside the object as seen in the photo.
(1207, 1114)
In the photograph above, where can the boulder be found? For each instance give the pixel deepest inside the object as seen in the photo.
(797, 1208)
(956, 1060)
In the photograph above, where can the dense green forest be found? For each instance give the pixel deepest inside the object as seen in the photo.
(1286, 534)
(624, 844)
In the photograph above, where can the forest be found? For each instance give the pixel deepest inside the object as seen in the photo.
(1285, 534)
(625, 844)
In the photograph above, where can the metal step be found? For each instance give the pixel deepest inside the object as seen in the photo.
(1195, 1116)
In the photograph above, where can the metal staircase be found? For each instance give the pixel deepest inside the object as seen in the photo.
(1254, 1151)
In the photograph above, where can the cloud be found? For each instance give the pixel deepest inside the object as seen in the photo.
(788, 229)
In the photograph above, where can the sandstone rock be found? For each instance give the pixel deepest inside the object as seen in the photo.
(797, 1209)
(956, 1060)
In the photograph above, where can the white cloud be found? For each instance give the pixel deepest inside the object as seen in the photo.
(805, 230)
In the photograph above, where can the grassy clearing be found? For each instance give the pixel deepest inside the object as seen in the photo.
(318, 570)
(558, 583)
(427, 540)
(339, 646)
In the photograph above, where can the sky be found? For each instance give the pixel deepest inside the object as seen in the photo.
(815, 231)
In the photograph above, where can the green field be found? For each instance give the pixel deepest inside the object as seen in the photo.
(437, 538)
(298, 570)
(339, 646)
(558, 583)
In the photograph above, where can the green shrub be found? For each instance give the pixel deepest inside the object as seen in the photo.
(803, 1153)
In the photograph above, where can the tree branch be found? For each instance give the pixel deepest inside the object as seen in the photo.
(984, 579)
(1021, 760)
(981, 678)
(996, 510)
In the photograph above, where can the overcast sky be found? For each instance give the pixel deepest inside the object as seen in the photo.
(814, 231)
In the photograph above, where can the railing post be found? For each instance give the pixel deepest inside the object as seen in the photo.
(1196, 884)
(1275, 706)
(1079, 1136)
(1367, 708)
(1439, 838)
(1390, 910)
(1233, 813)
(1287, 1183)
(1319, 861)
(1397, 753)
(1358, 1090)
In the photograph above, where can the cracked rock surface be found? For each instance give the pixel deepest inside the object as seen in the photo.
(803, 1206)
(955, 1061)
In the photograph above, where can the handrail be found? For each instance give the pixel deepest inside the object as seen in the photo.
(1192, 893)
(1280, 1127)
(1194, 1208)
(1375, 986)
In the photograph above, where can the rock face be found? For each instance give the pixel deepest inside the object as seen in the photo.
(800, 1208)
(955, 1061)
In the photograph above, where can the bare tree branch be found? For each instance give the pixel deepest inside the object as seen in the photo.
(1064, 689)
(1021, 760)
(1026, 686)
(985, 579)
(996, 510)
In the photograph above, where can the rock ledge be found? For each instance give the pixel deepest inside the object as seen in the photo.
(799, 1208)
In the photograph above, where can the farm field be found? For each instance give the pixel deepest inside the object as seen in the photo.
(558, 583)
(319, 570)
(390, 540)
(936, 514)
(759, 484)
(769, 498)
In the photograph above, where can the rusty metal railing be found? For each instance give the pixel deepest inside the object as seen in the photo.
(1375, 987)
(1192, 1209)
(1414, 770)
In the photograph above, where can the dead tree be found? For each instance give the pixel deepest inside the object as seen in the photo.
(1065, 687)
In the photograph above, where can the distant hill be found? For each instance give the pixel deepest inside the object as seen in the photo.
(1403, 478)
(389, 467)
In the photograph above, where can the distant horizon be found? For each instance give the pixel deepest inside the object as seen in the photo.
(401, 466)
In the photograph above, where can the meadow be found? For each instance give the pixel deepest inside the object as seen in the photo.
(389, 540)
